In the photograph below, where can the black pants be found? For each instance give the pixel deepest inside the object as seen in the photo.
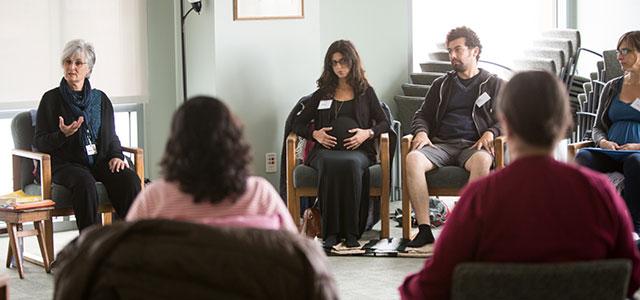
(343, 191)
(630, 167)
(122, 188)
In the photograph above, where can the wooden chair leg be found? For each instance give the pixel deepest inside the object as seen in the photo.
(39, 226)
(9, 254)
(384, 217)
(406, 215)
(12, 228)
(48, 238)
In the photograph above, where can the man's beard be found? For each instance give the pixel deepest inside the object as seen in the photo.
(459, 67)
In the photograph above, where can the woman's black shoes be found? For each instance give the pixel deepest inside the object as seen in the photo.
(352, 242)
(330, 241)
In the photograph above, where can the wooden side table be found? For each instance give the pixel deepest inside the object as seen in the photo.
(14, 218)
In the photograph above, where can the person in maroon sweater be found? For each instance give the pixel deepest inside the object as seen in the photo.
(536, 209)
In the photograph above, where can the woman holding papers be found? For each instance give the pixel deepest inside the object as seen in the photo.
(617, 128)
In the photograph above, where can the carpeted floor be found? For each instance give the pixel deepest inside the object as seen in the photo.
(357, 277)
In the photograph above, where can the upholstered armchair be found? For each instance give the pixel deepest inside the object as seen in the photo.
(599, 279)
(445, 181)
(23, 131)
(302, 180)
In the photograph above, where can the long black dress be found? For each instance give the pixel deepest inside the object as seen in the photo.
(343, 188)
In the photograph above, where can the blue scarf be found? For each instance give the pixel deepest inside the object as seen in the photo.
(88, 106)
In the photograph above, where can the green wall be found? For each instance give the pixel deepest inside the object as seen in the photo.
(163, 81)
(380, 30)
(261, 68)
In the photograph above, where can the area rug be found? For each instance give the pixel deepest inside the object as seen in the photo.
(391, 247)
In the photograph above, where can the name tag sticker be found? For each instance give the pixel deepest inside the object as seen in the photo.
(483, 99)
(636, 104)
(91, 149)
(325, 104)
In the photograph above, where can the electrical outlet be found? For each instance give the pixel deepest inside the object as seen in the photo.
(271, 162)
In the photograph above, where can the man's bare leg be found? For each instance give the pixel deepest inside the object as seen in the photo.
(478, 165)
(417, 165)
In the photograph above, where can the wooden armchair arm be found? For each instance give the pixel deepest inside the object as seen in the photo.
(385, 183)
(405, 144)
(499, 146)
(292, 203)
(572, 149)
(138, 160)
(45, 170)
(385, 162)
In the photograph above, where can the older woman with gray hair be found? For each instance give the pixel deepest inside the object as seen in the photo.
(75, 125)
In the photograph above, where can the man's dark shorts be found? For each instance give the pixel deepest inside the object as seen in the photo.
(454, 152)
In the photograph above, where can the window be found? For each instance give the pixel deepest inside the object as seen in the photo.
(505, 27)
(33, 34)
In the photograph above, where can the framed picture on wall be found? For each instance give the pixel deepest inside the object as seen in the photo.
(268, 9)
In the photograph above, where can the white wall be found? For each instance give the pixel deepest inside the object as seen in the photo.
(601, 23)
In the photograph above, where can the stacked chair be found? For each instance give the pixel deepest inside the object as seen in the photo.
(415, 91)
(558, 51)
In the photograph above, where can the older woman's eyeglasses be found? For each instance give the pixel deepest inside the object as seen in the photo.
(77, 63)
(623, 51)
(343, 62)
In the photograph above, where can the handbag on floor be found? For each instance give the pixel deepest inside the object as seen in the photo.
(311, 222)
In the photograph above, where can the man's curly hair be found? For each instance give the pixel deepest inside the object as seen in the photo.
(471, 39)
(206, 153)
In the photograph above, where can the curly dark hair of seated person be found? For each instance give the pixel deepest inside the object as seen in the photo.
(471, 39)
(206, 153)
(328, 81)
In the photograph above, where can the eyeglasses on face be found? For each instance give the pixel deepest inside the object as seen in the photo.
(77, 63)
(623, 51)
(345, 62)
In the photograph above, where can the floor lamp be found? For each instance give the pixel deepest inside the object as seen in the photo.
(197, 6)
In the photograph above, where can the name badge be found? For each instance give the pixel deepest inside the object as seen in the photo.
(325, 104)
(483, 99)
(91, 149)
(636, 104)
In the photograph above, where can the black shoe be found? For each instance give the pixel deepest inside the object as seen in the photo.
(330, 241)
(424, 237)
(352, 242)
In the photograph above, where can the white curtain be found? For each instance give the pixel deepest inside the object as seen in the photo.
(34, 32)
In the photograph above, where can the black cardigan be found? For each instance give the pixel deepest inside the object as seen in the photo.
(63, 150)
(369, 115)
